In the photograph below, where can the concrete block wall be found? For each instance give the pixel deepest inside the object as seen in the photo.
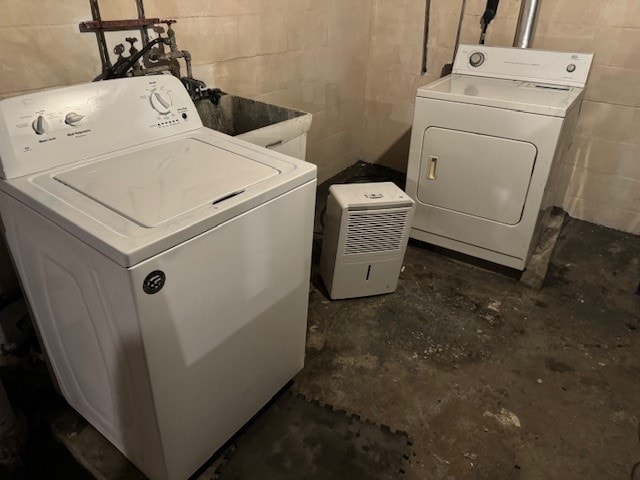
(601, 171)
(601, 178)
(298, 53)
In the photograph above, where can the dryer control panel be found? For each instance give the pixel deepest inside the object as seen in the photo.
(555, 68)
(55, 127)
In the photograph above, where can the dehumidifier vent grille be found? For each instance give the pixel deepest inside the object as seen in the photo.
(369, 232)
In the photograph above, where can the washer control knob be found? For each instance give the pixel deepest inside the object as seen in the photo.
(476, 59)
(571, 67)
(161, 102)
(40, 125)
(72, 119)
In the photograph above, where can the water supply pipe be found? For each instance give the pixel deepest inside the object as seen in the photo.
(526, 23)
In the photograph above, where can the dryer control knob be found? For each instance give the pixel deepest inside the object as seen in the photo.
(161, 102)
(40, 125)
(571, 67)
(72, 119)
(476, 59)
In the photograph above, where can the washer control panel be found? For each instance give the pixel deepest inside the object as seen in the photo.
(570, 69)
(46, 129)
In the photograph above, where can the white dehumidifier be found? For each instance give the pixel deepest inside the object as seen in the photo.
(366, 229)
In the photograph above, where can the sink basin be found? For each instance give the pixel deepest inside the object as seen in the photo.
(271, 126)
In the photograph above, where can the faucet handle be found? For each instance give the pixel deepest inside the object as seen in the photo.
(119, 50)
(132, 40)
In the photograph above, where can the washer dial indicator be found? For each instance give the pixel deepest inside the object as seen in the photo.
(161, 102)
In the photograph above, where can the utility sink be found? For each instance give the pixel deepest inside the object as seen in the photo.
(277, 128)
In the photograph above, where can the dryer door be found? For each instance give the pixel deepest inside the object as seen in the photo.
(479, 175)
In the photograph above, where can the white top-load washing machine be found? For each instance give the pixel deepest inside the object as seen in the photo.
(484, 143)
(166, 264)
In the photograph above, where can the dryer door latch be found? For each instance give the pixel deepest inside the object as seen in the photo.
(433, 167)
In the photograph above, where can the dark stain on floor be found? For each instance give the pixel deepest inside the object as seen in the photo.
(295, 438)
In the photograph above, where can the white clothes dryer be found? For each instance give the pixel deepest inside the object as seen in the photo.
(484, 144)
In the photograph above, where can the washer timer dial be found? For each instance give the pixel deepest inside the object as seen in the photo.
(161, 102)
(476, 59)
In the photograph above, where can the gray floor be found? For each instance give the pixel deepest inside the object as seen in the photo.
(494, 380)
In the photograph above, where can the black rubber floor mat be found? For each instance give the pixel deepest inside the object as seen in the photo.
(297, 439)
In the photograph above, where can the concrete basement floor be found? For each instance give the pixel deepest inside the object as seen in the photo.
(493, 380)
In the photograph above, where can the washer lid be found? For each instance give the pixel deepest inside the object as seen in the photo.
(522, 96)
(138, 202)
(163, 182)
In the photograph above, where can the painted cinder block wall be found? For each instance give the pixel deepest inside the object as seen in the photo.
(601, 170)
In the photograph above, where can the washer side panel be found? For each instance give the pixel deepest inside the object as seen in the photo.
(84, 309)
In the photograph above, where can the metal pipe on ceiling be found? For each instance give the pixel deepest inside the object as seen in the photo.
(527, 23)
